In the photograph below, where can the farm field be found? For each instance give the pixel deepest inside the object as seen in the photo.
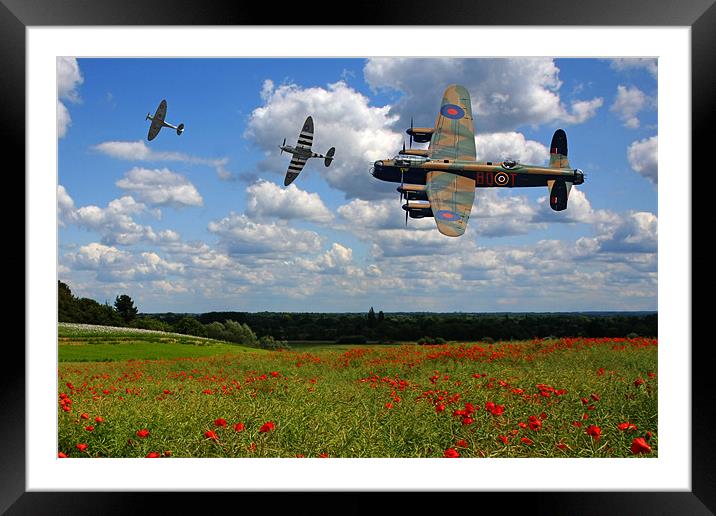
(542, 398)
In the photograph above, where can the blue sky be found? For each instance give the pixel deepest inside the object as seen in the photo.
(202, 221)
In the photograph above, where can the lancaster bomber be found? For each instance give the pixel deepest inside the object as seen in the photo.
(302, 152)
(440, 181)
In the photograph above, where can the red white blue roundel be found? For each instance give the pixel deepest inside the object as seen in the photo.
(447, 215)
(452, 111)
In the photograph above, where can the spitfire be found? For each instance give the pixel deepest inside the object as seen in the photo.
(302, 152)
(440, 182)
(158, 122)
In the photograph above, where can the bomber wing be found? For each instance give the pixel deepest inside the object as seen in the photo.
(454, 135)
(451, 197)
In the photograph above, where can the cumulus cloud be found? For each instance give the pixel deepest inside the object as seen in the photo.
(636, 63)
(115, 222)
(269, 200)
(112, 264)
(500, 146)
(159, 187)
(628, 103)
(69, 78)
(139, 151)
(643, 158)
(505, 93)
(64, 120)
(635, 232)
(343, 118)
(240, 235)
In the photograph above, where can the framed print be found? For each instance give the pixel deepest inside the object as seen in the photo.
(183, 217)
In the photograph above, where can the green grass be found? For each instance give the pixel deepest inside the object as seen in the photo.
(106, 344)
(335, 401)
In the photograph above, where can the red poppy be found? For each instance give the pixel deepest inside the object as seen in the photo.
(522, 425)
(81, 446)
(220, 422)
(389, 405)
(167, 391)
(168, 453)
(626, 426)
(562, 446)
(462, 443)
(639, 445)
(300, 456)
(503, 438)
(84, 415)
(89, 428)
(153, 455)
(267, 427)
(577, 423)
(638, 382)
(142, 433)
(210, 434)
(594, 431)
(61, 455)
(99, 419)
(439, 407)
(467, 421)
(543, 416)
(535, 424)
(527, 440)
(498, 410)
(451, 453)
(595, 397)
(274, 373)
(585, 401)
(239, 427)
(323, 455)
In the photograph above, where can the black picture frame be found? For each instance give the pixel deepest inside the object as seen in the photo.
(699, 15)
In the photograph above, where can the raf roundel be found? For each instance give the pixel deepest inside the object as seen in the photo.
(447, 215)
(452, 111)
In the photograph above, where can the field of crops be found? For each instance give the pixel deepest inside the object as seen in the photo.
(542, 398)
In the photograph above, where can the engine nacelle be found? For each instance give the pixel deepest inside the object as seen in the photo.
(421, 134)
(418, 209)
(413, 192)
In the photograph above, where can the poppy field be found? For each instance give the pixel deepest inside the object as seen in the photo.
(571, 397)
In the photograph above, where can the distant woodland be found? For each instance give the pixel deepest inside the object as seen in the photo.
(271, 329)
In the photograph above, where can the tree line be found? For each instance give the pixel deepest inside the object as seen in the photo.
(272, 329)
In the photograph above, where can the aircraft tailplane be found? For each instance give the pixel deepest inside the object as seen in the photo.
(180, 129)
(329, 156)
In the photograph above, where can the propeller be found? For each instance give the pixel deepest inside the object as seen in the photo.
(411, 132)
(406, 217)
(282, 145)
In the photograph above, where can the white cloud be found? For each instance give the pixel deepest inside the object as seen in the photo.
(643, 158)
(500, 146)
(69, 79)
(64, 120)
(239, 235)
(161, 187)
(269, 200)
(636, 63)
(112, 264)
(342, 119)
(628, 103)
(139, 151)
(505, 93)
(65, 207)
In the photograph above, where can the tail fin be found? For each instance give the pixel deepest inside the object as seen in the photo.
(180, 129)
(558, 150)
(329, 156)
(148, 116)
(558, 188)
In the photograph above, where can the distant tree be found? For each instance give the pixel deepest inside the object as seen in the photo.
(190, 326)
(381, 317)
(125, 307)
(371, 317)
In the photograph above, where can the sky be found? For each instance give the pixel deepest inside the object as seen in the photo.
(202, 222)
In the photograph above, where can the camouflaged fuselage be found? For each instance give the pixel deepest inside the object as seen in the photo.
(485, 175)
